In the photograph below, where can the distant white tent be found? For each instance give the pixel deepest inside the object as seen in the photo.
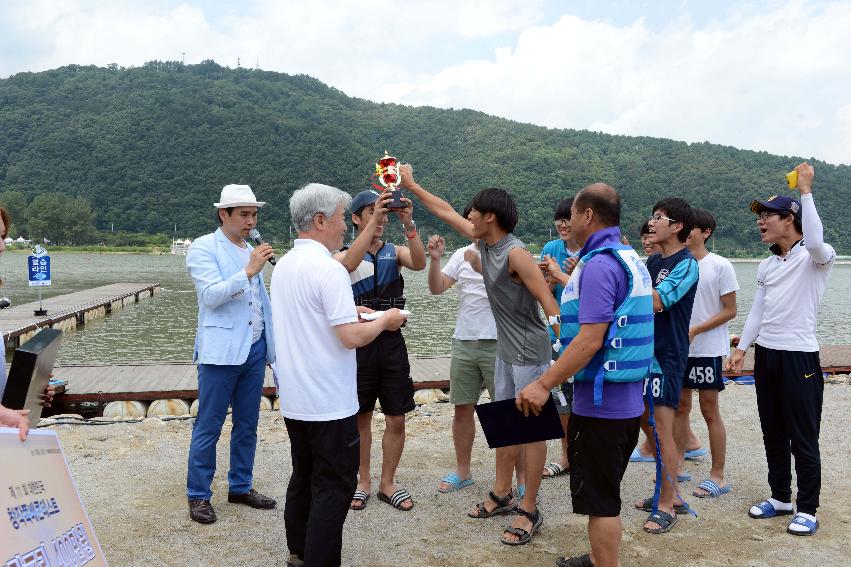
(8, 240)
(22, 240)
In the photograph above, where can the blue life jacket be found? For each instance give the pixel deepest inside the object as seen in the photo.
(377, 283)
(627, 352)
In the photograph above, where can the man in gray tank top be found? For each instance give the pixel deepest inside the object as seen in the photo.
(515, 288)
(523, 337)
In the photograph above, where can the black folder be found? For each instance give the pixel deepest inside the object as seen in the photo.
(504, 425)
(30, 372)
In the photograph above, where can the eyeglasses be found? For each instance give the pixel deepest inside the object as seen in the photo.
(562, 223)
(658, 217)
(765, 214)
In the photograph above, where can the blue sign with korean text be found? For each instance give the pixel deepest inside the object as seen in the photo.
(39, 270)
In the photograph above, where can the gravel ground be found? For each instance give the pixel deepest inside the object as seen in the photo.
(132, 480)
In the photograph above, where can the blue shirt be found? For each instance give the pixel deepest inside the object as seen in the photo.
(558, 250)
(675, 280)
(608, 286)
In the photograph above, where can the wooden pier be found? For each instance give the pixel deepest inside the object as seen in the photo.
(17, 323)
(153, 381)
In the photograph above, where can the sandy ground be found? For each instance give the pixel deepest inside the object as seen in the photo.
(132, 480)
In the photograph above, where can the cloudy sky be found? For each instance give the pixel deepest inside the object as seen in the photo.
(771, 75)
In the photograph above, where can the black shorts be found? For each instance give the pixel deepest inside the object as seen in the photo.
(704, 373)
(384, 373)
(599, 451)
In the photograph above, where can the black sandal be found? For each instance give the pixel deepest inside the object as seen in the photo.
(647, 506)
(525, 537)
(664, 520)
(504, 505)
(581, 561)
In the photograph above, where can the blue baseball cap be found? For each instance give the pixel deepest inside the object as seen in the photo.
(363, 199)
(778, 204)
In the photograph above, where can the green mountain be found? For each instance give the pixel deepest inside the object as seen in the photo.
(151, 147)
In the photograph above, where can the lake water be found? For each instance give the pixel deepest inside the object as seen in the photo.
(163, 328)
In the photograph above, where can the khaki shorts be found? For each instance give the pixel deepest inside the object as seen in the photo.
(472, 367)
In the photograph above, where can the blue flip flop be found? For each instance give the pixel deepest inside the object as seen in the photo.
(808, 526)
(767, 510)
(455, 481)
(699, 452)
(637, 457)
(712, 489)
(685, 477)
(744, 380)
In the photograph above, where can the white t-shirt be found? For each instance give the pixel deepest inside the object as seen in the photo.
(311, 294)
(717, 278)
(475, 318)
(256, 301)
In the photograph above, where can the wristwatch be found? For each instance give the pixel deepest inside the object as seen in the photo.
(409, 227)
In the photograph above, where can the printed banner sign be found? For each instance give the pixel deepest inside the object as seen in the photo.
(45, 523)
(39, 270)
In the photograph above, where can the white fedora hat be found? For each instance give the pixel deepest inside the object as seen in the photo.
(238, 196)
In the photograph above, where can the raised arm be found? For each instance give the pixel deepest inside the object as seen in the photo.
(437, 206)
(352, 257)
(412, 256)
(438, 282)
(521, 262)
(821, 253)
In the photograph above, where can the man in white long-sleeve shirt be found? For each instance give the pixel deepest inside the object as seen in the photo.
(782, 321)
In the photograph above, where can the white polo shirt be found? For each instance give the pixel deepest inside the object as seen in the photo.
(717, 278)
(475, 318)
(794, 285)
(311, 294)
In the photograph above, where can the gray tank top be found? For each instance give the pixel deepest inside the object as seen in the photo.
(522, 336)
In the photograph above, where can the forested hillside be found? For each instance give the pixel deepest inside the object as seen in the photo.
(150, 148)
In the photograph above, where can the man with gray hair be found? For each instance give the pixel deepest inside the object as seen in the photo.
(317, 330)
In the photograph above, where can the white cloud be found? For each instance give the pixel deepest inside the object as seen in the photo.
(771, 80)
(773, 76)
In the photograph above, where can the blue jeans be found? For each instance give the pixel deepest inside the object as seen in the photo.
(239, 386)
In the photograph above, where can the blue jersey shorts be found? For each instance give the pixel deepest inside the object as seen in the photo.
(704, 373)
(664, 389)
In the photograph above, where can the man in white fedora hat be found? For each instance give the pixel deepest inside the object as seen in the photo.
(233, 344)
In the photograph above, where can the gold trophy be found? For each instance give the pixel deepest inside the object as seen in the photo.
(387, 171)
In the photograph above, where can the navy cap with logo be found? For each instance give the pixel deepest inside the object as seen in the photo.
(778, 204)
(363, 199)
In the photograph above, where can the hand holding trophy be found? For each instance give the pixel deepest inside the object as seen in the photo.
(387, 171)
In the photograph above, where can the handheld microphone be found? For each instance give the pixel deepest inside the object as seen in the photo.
(258, 240)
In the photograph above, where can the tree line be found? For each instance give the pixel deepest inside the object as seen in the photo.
(145, 149)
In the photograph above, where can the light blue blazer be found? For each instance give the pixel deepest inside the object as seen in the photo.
(224, 335)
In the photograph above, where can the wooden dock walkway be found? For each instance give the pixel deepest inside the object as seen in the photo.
(152, 381)
(17, 323)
